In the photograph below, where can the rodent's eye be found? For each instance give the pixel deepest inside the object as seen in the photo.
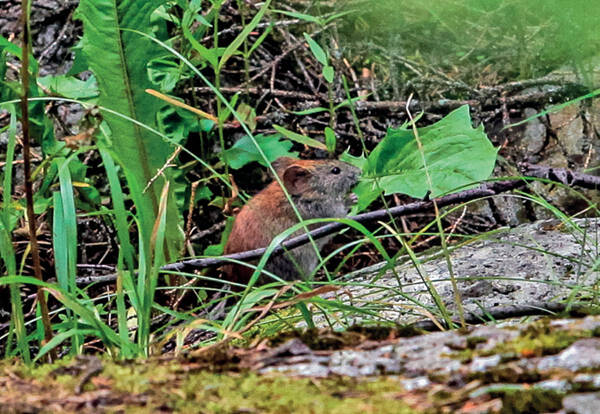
(335, 170)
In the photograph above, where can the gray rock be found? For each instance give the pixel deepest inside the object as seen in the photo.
(534, 135)
(417, 383)
(561, 386)
(530, 264)
(585, 403)
(585, 353)
(482, 364)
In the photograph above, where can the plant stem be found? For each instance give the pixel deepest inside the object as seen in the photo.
(218, 87)
(35, 253)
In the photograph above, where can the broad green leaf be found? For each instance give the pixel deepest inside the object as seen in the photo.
(456, 154)
(328, 73)
(177, 122)
(247, 114)
(316, 50)
(330, 139)
(119, 58)
(359, 162)
(301, 139)
(203, 193)
(244, 151)
(70, 87)
(166, 72)
(80, 63)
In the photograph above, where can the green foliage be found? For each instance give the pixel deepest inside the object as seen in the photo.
(7, 251)
(118, 58)
(42, 129)
(316, 50)
(65, 230)
(514, 38)
(69, 86)
(330, 140)
(321, 56)
(166, 72)
(396, 164)
(126, 251)
(244, 151)
(241, 38)
(300, 139)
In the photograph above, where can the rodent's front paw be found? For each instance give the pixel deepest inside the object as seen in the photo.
(352, 199)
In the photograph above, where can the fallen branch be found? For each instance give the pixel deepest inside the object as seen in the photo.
(561, 175)
(486, 190)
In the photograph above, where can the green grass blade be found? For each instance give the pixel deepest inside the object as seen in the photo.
(240, 38)
(82, 308)
(117, 198)
(301, 139)
(66, 233)
(555, 108)
(60, 338)
(7, 252)
(59, 242)
(70, 221)
(158, 237)
(122, 313)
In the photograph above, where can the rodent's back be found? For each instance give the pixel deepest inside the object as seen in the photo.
(319, 189)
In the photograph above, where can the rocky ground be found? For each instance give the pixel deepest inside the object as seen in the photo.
(529, 266)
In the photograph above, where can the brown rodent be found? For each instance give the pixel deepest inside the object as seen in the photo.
(319, 189)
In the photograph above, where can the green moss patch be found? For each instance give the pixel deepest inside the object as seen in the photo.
(179, 386)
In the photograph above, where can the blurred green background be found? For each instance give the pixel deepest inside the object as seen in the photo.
(506, 39)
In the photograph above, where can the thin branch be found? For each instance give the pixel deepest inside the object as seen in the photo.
(561, 175)
(486, 190)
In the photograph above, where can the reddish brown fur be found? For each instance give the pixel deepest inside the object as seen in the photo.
(316, 192)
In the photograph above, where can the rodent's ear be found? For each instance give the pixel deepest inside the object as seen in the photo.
(281, 163)
(295, 179)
